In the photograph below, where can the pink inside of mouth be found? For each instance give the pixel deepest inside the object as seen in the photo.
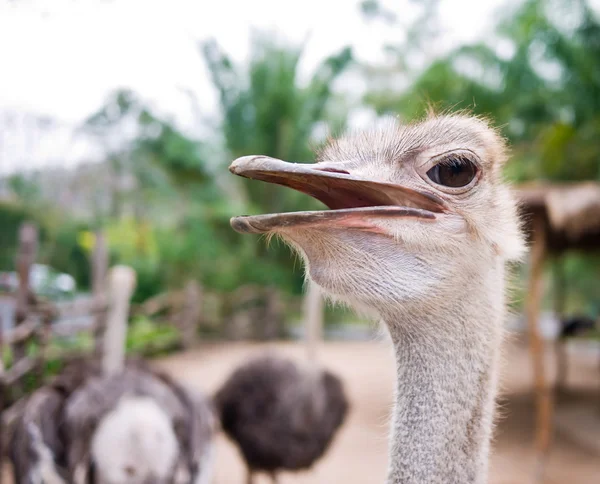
(340, 193)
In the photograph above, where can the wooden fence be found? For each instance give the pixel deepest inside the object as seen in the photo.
(250, 312)
(24, 351)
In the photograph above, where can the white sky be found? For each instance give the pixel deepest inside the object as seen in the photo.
(61, 58)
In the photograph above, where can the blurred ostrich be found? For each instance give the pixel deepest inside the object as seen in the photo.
(37, 447)
(114, 423)
(283, 415)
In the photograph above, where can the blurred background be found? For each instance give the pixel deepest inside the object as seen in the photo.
(118, 119)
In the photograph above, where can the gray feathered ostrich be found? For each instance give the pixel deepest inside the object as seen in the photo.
(114, 422)
(37, 447)
(283, 415)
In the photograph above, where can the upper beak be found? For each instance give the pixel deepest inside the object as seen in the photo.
(337, 190)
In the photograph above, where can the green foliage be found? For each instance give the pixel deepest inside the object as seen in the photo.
(144, 333)
(169, 205)
(161, 144)
(65, 253)
(80, 342)
(58, 244)
(12, 215)
(581, 280)
(537, 75)
(546, 94)
(144, 336)
(538, 78)
(161, 161)
(24, 188)
(372, 9)
(11, 218)
(266, 110)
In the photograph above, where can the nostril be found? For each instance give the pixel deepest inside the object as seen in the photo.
(334, 170)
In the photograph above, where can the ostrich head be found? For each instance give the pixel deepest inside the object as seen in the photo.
(412, 208)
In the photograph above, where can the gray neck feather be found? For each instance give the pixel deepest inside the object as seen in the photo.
(121, 284)
(447, 363)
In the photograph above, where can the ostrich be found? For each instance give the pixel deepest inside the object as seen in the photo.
(420, 230)
(114, 423)
(37, 447)
(282, 415)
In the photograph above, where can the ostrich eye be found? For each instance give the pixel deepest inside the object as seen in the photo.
(453, 172)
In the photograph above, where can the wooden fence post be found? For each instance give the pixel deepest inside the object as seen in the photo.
(121, 281)
(536, 344)
(191, 312)
(99, 272)
(28, 245)
(558, 293)
(27, 249)
(273, 319)
(44, 335)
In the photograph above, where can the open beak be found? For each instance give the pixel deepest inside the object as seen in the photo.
(352, 200)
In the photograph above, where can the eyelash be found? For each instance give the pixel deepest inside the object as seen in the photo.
(454, 159)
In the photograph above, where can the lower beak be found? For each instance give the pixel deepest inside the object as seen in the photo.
(349, 197)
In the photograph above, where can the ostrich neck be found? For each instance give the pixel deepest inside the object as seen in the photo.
(313, 313)
(115, 337)
(447, 364)
(120, 289)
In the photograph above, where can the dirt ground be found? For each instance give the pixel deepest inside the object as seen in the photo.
(359, 453)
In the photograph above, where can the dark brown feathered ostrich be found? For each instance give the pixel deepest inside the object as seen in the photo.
(113, 422)
(282, 415)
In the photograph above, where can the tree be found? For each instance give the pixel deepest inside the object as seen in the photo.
(25, 188)
(538, 78)
(149, 158)
(266, 110)
(545, 93)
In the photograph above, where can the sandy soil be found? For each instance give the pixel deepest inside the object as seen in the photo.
(359, 453)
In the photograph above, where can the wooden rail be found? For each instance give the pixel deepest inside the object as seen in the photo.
(17, 371)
